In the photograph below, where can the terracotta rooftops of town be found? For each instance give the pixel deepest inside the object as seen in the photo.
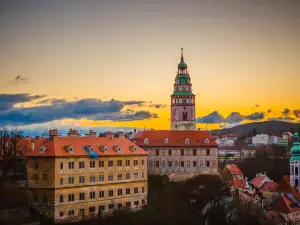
(234, 169)
(82, 146)
(284, 186)
(239, 183)
(258, 180)
(285, 204)
(174, 138)
(269, 186)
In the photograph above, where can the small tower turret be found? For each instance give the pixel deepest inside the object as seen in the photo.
(295, 163)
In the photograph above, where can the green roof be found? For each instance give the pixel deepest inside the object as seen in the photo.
(296, 147)
(182, 65)
(182, 79)
(295, 157)
(182, 93)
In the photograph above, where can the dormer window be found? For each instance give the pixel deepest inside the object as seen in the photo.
(166, 140)
(92, 148)
(117, 148)
(69, 148)
(206, 141)
(43, 149)
(104, 148)
(133, 148)
(186, 141)
(146, 141)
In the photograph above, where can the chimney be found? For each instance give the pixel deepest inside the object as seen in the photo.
(91, 134)
(121, 135)
(52, 133)
(134, 131)
(109, 134)
(37, 137)
(73, 133)
(32, 145)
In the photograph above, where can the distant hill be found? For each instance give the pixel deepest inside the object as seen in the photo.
(267, 127)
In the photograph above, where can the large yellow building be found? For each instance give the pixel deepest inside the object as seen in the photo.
(78, 177)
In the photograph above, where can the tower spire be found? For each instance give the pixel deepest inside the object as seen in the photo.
(181, 54)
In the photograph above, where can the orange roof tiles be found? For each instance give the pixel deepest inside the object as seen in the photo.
(285, 187)
(269, 186)
(285, 205)
(258, 180)
(239, 183)
(175, 138)
(234, 169)
(57, 146)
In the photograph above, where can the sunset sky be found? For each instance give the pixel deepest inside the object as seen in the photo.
(111, 64)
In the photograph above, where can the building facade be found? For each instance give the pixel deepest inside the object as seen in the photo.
(260, 139)
(172, 151)
(183, 100)
(73, 178)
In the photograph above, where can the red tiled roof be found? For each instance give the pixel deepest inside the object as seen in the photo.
(57, 146)
(269, 186)
(175, 138)
(285, 187)
(257, 181)
(234, 169)
(285, 205)
(239, 183)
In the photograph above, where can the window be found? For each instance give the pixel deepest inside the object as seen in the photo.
(101, 178)
(71, 212)
(61, 181)
(170, 163)
(71, 180)
(135, 162)
(71, 165)
(81, 196)
(101, 163)
(207, 163)
(81, 211)
(127, 176)
(143, 189)
(71, 197)
(170, 152)
(92, 179)
(136, 190)
(146, 141)
(81, 165)
(110, 177)
(128, 204)
(296, 182)
(45, 198)
(163, 163)
(110, 193)
(61, 198)
(127, 162)
(143, 162)
(61, 213)
(143, 175)
(296, 171)
(120, 192)
(101, 194)
(136, 175)
(156, 163)
(92, 164)
(194, 152)
(111, 206)
(136, 203)
(61, 165)
(101, 208)
(36, 165)
(156, 152)
(119, 205)
(127, 191)
(110, 163)
(92, 209)
(92, 195)
(184, 116)
(166, 141)
(181, 152)
(182, 163)
(187, 141)
(119, 176)
(119, 162)
(195, 163)
(81, 179)
(207, 151)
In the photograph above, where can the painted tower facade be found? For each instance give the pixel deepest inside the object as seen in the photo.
(183, 100)
(295, 163)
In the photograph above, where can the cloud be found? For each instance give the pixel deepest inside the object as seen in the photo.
(232, 118)
(134, 102)
(213, 117)
(281, 119)
(7, 101)
(269, 111)
(297, 113)
(255, 106)
(19, 79)
(52, 101)
(286, 112)
(158, 106)
(93, 109)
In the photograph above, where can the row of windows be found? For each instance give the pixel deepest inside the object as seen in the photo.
(110, 163)
(179, 100)
(101, 178)
(182, 152)
(101, 194)
(101, 208)
(182, 163)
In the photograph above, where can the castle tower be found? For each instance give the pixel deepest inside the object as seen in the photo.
(183, 100)
(295, 163)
